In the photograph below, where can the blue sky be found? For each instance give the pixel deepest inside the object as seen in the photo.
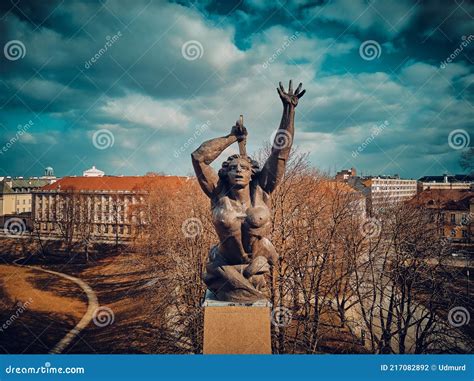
(156, 100)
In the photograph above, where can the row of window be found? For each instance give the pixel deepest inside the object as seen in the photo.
(99, 228)
(24, 202)
(464, 220)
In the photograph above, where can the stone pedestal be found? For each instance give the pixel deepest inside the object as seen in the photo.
(235, 328)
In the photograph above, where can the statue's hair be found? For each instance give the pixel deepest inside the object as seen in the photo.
(255, 167)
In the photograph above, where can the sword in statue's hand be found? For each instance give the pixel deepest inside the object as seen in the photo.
(243, 139)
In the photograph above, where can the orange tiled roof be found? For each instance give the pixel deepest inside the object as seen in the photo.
(116, 183)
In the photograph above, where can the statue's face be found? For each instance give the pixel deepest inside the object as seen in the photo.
(239, 173)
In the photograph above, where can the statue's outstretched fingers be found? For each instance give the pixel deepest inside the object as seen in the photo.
(280, 93)
(281, 87)
(301, 94)
(290, 87)
(298, 89)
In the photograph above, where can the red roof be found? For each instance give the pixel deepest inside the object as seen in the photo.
(116, 183)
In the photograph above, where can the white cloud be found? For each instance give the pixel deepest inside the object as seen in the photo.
(143, 110)
(388, 18)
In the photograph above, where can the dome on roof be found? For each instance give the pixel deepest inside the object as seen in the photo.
(93, 172)
(49, 172)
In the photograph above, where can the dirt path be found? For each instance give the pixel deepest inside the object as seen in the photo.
(93, 305)
(17, 284)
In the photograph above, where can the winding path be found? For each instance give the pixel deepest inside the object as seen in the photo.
(93, 305)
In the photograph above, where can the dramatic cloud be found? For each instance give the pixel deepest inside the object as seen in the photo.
(149, 75)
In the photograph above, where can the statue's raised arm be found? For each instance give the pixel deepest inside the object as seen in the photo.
(210, 151)
(274, 168)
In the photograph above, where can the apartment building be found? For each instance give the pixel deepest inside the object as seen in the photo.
(455, 210)
(383, 191)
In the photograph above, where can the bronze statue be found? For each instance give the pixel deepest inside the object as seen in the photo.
(240, 204)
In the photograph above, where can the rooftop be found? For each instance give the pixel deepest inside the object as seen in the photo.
(448, 178)
(115, 183)
(9, 185)
(448, 199)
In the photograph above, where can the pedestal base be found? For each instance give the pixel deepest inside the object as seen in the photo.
(234, 328)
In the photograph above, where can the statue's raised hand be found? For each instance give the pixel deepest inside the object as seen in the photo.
(239, 131)
(290, 97)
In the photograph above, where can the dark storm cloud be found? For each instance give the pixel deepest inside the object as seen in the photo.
(121, 66)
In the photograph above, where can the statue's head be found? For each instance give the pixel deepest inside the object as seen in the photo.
(237, 171)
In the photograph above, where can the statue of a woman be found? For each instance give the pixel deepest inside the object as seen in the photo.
(240, 201)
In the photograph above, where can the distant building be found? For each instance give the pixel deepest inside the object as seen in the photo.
(345, 174)
(383, 191)
(445, 182)
(455, 208)
(16, 193)
(95, 207)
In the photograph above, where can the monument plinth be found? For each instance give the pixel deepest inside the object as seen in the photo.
(236, 328)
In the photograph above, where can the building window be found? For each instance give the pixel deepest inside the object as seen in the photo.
(453, 218)
(453, 232)
(464, 233)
